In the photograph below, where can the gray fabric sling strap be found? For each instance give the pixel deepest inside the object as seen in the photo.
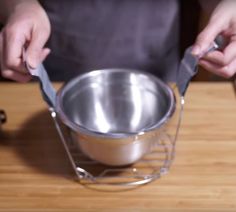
(189, 64)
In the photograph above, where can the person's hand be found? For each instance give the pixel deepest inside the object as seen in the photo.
(27, 27)
(222, 21)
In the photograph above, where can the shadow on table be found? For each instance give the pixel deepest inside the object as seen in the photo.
(38, 145)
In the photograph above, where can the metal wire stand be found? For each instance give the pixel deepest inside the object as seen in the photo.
(151, 167)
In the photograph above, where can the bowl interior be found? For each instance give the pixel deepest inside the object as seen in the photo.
(115, 101)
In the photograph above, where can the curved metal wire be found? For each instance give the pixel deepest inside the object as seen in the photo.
(149, 168)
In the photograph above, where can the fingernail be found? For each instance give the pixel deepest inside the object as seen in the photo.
(196, 50)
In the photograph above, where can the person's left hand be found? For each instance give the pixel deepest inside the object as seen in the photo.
(222, 21)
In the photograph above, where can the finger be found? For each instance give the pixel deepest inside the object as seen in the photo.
(222, 58)
(16, 76)
(13, 43)
(232, 67)
(23, 77)
(216, 57)
(11, 61)
(207, 36)
(44, 54)
(230, 52)
(35, 50)
(224, 71)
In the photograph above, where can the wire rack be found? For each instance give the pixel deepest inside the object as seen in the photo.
(149, 168)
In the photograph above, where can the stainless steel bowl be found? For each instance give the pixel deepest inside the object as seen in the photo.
(115, 114)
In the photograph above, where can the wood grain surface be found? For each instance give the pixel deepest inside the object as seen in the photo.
(35, 174)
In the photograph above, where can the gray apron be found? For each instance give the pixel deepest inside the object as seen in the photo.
(96, 34)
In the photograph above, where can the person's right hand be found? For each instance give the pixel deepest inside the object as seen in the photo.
(27, 27)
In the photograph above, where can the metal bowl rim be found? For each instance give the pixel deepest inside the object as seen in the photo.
(84, 130)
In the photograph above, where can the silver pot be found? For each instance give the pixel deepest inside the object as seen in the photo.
(115, 114)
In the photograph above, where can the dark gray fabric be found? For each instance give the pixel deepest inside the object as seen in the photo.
(187, 70)
(96, 34)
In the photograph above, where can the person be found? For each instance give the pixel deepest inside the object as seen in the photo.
(88, 35)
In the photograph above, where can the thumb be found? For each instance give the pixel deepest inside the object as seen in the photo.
(207, 36)
(36, 52)
(44, 54)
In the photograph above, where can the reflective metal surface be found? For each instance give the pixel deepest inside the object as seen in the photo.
(3, 117)
(115, 114)
(115, 102)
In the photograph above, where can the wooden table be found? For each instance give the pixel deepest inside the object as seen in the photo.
(35, 174)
